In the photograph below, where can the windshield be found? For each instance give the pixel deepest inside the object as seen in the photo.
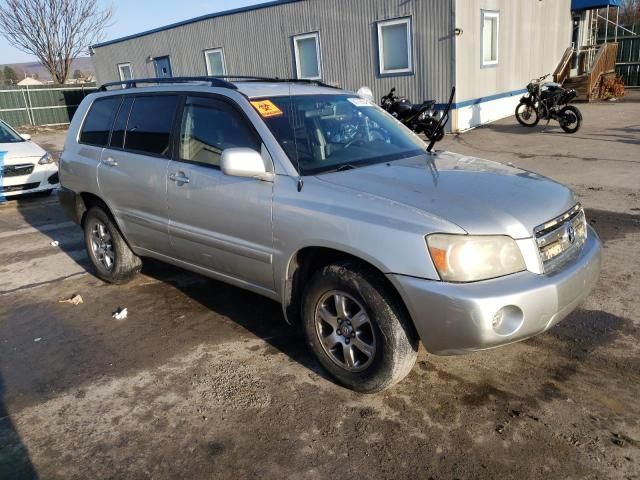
(7, 135)
(322, 133)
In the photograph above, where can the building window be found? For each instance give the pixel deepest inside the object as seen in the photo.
(214, 60)
(489, 40)
(126, 73)
(394, 46)
(307, 52)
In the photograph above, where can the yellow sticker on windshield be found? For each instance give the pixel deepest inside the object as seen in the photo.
(266, 108)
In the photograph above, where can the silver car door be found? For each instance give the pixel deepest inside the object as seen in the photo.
(133, 171)
(219, 222)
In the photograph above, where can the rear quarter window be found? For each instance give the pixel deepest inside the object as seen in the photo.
(97, 125)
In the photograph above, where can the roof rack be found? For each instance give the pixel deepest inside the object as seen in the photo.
(217, 81)
(133, 83)
(253, 78)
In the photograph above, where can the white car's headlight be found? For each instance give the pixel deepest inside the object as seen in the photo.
(46, 159)
(469, 258)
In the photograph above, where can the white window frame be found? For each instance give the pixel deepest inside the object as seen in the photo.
(489, 14)
(126, 64)
(387, 23)
(208, 64)
(304, 36)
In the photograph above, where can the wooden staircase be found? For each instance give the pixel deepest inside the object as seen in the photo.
(588, 84)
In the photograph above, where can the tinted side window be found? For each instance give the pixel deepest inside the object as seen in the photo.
(119, 126)
(97, 125)
(208, 127)
(150, 123)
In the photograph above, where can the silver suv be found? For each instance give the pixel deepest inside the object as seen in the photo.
(317, 198)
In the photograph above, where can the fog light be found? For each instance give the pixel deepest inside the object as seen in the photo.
(507, 320)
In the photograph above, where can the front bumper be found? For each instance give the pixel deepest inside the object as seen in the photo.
(454, 318)
(43, 178)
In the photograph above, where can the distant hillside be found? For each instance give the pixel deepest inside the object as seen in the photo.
(84, 64)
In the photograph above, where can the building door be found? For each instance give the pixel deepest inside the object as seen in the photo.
(576, 41)
(162, 66)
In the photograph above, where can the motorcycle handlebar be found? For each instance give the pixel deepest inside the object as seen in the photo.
(541, 78)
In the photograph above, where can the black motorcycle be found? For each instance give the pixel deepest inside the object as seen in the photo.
(421, 118)
(548, 101)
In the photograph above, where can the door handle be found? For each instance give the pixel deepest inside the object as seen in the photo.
(111, 162)
(179, 177)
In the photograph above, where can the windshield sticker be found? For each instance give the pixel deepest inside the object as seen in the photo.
(266, 108)
(360, 102)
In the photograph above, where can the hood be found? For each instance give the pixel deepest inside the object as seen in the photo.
(480, 196)
(20, 152)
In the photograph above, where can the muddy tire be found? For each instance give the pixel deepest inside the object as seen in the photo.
(527, 115)
(110, 255)
(357, 327)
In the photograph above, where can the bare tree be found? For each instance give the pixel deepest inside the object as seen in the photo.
(630, 12)
(55, 31)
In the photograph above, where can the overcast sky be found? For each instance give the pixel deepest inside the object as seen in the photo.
(133, 16)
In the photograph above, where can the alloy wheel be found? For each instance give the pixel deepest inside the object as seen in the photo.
(102, 245)
(345, 331)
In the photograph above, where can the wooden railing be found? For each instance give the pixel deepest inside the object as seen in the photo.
(564, 67)
(605, 61)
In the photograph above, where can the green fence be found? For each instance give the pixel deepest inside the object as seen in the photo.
(628, 61)
(41, 105)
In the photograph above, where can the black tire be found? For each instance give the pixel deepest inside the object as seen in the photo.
(429, 126)
(392, 331)
(125, 264)
(524, 112)
(570, 119)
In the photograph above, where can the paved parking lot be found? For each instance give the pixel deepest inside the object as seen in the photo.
(204, 380)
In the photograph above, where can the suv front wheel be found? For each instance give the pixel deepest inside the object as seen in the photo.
(357, 328)
(109, 253)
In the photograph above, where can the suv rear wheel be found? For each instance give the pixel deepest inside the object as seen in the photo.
(356, 327)
(109, 253)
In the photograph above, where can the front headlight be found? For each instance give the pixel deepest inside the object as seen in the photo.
(46, 159)
(469, 258)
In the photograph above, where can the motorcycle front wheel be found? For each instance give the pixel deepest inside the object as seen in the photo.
(527, 115)
(570, 119)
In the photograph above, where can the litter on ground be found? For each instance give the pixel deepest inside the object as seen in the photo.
(120, 314)
(74, 300)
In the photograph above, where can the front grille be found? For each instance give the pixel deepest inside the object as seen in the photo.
(19, 188)
(16, 170)
(561, 239)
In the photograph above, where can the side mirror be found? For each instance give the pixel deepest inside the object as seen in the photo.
(243, 162)
(25, 136)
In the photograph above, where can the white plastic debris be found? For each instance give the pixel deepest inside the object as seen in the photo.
(120, 314)
(55, 243)
(74, 300)
(37, 339)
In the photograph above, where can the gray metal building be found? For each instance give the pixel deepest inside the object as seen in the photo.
(488, 48)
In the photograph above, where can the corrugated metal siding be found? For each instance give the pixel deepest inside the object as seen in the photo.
(533, 35)
(259, 42)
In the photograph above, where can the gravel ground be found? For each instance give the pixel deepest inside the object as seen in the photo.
(205, 380)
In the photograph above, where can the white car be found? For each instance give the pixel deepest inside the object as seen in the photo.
(24, 166)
